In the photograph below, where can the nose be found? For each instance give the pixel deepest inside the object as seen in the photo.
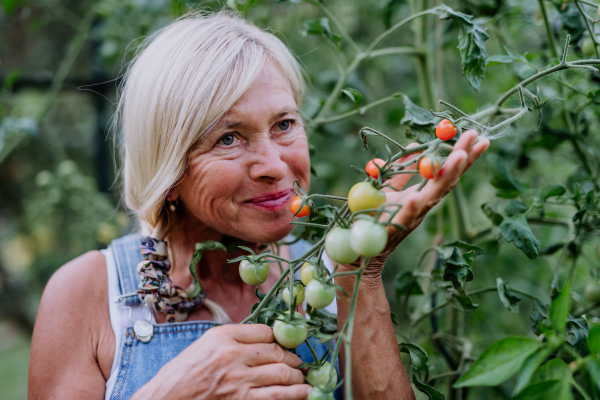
(267, 164)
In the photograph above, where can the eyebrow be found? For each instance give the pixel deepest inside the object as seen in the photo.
(237, 124)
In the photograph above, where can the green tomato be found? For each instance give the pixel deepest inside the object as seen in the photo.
(587, 46)
(368, 238)
(254, 274)
(308, 272)
(318, 394)
(324, 376)
(290, 335)
(337, 246)
(363, 196)
(298, 294)
(319, 294)
(592, 292)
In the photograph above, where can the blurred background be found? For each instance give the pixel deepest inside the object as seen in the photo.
(60, 66)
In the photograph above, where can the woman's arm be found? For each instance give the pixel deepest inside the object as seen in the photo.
(377, 369)
(70, 326)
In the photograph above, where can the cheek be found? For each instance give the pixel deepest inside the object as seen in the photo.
(298, 160)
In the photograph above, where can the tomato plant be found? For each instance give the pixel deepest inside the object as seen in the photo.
(372, 169)
(368, 238)
(323, 376)
(308, 272)
(254, 273)
(290, 334)
(318, 394)
(338, 247)
(428, 168)
(298, 294)
(296, 210)
(445, 130)
(364, 196)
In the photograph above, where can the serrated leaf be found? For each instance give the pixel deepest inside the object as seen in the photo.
(406, 283)
(576, 334)
(420, 121)
(430, 391)
(471, 44)
(559, 309)
(551, 191)
(354, 95)
(461, 244)
(515, 207)
(502, 179)
(508, 298)
(460, 300)
(593, 339)
(492, 214)
(516, 229)
(458, 268)
(419, 359)
(499, 361)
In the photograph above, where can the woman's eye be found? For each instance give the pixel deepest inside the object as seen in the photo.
(227, 140)
(284, 125)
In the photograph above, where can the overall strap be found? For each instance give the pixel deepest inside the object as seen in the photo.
(126, 251)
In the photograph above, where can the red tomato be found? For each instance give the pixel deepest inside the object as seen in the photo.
(371, 168)
(295, 205)
(445, 130)
(425, 167)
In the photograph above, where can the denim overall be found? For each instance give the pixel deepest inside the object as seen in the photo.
(138, 361)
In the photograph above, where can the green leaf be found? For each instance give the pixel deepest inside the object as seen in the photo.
(431, 392)
(458, 268)
(576, 334)
(594, 339)
(492, 214)
(196, 288)
(498, 59)
(551, 191)
(461, 244)
(509, 299)
(419, 359)
(539, 312)
(354, 95)
(421, 122)
(501, 178)
(516, 229)
(559, 309)
(593, 367)
(515, 207)
(406, 283)
(499, 361)
(554, 389)
(320, 27)
(471, 44)
(460, 300)
(529, 368)
(553, 369)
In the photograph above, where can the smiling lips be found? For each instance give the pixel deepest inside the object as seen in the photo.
(271, 201)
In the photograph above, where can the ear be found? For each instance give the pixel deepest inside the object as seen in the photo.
(173, 194)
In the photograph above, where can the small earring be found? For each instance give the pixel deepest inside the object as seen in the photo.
(172, 206)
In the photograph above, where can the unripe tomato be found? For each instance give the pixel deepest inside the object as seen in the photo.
(368, 238)
(308, 272)
(592, 292)
(425, 167)
(324, 376)
(298, 294)
(319, 294)
(445, 130)
(372, 169)
(290, 335)
(254, 274)
(295, 205)
(363, 196)
(587, 47)
(318, 394)
(337, 246)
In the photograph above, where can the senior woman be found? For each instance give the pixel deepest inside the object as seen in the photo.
(212, 142)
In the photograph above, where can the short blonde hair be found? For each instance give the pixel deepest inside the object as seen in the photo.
(185, 78)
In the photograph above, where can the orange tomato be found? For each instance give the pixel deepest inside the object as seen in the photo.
(371, 168)
(445, 130)
(295, 205)
(427, 167)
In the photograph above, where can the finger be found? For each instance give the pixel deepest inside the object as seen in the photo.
(274, 375)
(466, 141)
(399, 181)
(250, 333)
(480, 147)
(294, 392)
(261, 354)
(453, 169)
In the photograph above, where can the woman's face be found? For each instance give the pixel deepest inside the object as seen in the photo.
(239, 178)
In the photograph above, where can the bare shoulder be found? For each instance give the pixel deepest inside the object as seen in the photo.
(72, 324)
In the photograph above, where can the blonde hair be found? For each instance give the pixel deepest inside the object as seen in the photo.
(183, 79)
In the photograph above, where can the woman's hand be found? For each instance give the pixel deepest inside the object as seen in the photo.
(230, 362)
(416, 204)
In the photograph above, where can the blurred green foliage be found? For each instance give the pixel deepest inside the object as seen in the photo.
(60, 63)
